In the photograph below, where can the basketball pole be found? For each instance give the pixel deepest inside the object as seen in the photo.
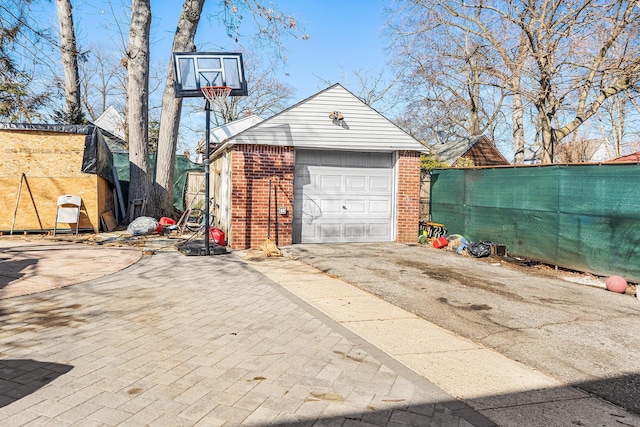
(207, 206)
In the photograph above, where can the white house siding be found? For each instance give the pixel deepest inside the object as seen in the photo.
(307, 125)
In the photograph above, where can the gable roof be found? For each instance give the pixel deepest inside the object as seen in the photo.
(483, 148)
(228, 130)
(308, 124)
(633, 157)
(111, 121)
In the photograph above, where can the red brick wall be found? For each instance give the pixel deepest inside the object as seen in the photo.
(408, 196)
(252, 168)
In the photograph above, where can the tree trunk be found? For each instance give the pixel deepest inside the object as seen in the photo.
(73, 110)
(171, 109)
(548, 136)
(518, 129)
(138, 107)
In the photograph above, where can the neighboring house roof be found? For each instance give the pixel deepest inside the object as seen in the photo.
(633, 157)
(222, 133)
(315, 123)
(477, 148)
(111, 121)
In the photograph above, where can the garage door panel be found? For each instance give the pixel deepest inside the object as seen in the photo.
(356, 160)
(385, 162)
(330, 182)
(355, 183)
(330, 206)
(306, 157)
(380, 207)
(380, 183)
(355, 231)
(310, 208)
(347, 197)
(330, 231)
(380, 230)
(331, 158)
(308, 234)
(354, 207)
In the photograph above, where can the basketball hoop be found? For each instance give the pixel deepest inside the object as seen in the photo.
(216, 95)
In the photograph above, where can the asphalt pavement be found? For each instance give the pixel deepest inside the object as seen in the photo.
(241, 339)
(560, 323)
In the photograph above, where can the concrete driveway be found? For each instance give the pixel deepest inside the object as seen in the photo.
(583, 336)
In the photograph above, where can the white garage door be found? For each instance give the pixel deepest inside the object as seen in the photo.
(343, 197)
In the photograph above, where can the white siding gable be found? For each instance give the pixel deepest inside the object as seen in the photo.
(111, 121)
(307, 125)
(228, 130)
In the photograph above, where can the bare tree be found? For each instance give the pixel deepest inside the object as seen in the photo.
(138, 106)
(103, 81)
(375, 90)
(69, 49)
(446, 69)
(23, 47)
(613, 122)
(171, 110)
(564, 57)
(584, 53)
(490, 25)
(633, 99)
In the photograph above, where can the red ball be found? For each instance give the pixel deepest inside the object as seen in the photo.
(616, 284)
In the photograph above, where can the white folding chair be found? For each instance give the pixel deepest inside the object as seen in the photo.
(68, 211)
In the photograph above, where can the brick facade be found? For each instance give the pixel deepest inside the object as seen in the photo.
(408, 196)
(252, 167)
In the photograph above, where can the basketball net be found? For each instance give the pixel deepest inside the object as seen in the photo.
(216, 95)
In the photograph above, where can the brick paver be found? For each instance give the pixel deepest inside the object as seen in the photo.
(205, 341)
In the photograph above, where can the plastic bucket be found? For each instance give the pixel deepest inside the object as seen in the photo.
(217, 236)
(440, 242)
(164, 221)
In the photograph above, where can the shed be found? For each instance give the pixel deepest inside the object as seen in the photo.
(478, 149)
(338, 170)
(41, 162)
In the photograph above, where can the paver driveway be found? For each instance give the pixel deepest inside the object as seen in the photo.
(177, 340)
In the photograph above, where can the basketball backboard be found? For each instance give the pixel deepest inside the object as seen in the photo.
(194, 70)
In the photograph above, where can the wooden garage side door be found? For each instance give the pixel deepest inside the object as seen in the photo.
(343, 197)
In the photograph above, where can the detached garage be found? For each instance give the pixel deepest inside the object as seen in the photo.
(329, 169)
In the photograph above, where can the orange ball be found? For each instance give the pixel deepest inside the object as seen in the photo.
(616, 284)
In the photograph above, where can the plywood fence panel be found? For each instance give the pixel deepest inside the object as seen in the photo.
(51, 162)
(41, 154)
(40, 213)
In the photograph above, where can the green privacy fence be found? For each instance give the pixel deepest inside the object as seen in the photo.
(582, 217)
(180, 174)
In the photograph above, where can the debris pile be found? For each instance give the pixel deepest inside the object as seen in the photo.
(436, 235)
